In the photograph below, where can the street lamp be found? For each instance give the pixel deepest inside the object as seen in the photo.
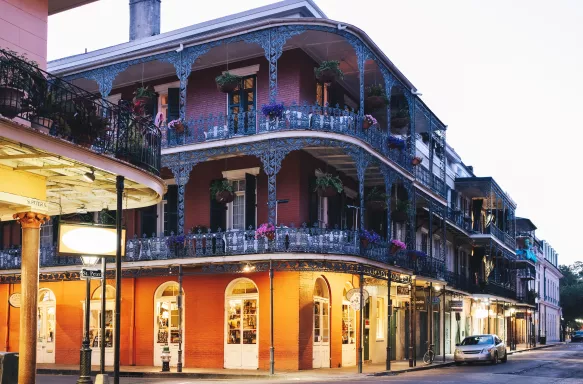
(85, 361)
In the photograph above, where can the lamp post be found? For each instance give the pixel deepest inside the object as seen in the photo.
(85, 360)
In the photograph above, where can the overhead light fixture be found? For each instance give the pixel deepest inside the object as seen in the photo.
(437, 287)
(248, 268)
(89, 176)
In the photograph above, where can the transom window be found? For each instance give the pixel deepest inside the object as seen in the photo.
(243, 287)
(109, 293)
(320, 288)
(46, 295)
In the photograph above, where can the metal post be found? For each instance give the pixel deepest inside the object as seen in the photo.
(271, 310)
(85, 361)
(443, 306)
(488, 313)
(389, 314)
(102, 325)
(180, 330)
(361, 322)
(411, 306)
(117, 325)
(430, 315)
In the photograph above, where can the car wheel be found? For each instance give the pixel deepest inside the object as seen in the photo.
(495, 359)
(505, 358)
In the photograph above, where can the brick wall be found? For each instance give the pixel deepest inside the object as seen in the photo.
(23, 28)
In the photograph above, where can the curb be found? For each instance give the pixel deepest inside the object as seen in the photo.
(535, 348)
(414, 369)
(155, 375)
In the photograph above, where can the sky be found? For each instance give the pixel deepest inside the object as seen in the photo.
(506, 76)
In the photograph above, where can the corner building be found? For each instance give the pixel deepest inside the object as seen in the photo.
(457, 275)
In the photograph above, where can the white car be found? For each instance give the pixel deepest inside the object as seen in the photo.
(480, 348)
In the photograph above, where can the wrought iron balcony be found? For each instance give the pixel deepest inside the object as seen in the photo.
(58, 108)
(431, 181)
(233, 243)
(500, 235)
(294, 118)
(459, 219)
(529, 298)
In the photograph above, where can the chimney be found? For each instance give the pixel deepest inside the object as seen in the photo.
(144, 18)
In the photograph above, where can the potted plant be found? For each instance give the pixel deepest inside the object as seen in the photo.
(400, 118)
(368, 122)
(177, 125)
(16, 75)
(396, 143)
(416, 160)
(227, 82)
(376, 200)
(376, 97)
(273, 110)
(87, 125)
(328, 185)
(401, 211)
(44, 105)
(176, 243)
(368, 237)
(266, 230)
(199, 229)
(143, 95)
(397, 245)
(222, 190)
(328, 72)
(414, 255)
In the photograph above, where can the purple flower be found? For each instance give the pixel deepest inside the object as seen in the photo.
(399, 244)
(395, 142)
(273, 110)
(371, 236)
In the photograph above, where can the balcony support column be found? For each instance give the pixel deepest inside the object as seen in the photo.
(30, 223)
(181, 171)
(412, 213)
(362, 159)
(430, 229)
(444, 210)
(271, 157)
(387, 175)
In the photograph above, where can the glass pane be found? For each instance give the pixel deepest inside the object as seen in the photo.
(248, 83)
(234, 337)
(250, 97)
(325, 309)
(235, 98)
(249, 337)
(239, 211)
(50, 325)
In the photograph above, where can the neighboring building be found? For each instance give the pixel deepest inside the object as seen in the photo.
(458, 275)
(61, 150)
(548, 286)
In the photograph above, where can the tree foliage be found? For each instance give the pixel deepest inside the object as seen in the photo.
(572, 292)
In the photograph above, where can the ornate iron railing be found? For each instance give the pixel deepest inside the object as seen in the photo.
(232, 243)
(431, 181)
(501, 235)
(61, 109)
(459, 219)
(294, 117)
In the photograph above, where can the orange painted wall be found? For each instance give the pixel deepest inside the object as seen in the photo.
(204, 318)
(23, 28)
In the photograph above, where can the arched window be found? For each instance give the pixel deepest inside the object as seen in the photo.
(109, 293)
(321, 288)
(45, 295)
(46, 326)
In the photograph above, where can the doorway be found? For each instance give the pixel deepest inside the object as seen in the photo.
(166, 330)
(45, 345)
(321, 331)
(348, 331)
(241, 328)
(95, 337)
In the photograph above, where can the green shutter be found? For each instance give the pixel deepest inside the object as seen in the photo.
(173, 104)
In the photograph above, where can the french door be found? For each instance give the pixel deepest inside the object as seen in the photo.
(321, 333)
(241, 344)
(242, 100)
(45, 346)
(348, 335)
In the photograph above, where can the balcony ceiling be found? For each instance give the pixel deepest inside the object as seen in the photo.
(66, 189)
(56, 6)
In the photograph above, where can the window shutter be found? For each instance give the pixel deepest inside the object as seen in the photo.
(55, 220)
(173, 103)
(218, 217)
(334, 210)
(171, 221)
(148, 220)
(313, 207)
(250, 188)
(154, 105)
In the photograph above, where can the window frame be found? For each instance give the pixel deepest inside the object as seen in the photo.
(162, 90)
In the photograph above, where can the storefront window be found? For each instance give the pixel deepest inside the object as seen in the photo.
(242, 313)
(167, 316)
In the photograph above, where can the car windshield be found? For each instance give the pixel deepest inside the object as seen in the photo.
(477, 340)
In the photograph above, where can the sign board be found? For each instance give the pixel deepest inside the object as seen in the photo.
(435, 300)
(14, 300)
(82, 239)
(366, 324)
(520, 315)
(353, 296)
(402, 290)
(90, 274)
(456, 305)
(420, 303)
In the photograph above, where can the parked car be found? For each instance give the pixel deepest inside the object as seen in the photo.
(577, 337)
(480, 348)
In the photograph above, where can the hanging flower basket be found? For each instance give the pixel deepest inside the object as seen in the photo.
(266, 230)
(328, 72)
(326, 191)
(376, 205)
(368, 237)
(177, 125)
(396, 143)
(416, 160)
(273, 110)
(227, 82)
(368, 122)
(224, 197)
(375, 102)
(397, 245)
(11, 101)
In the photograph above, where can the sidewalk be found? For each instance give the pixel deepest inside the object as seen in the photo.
(370, 369)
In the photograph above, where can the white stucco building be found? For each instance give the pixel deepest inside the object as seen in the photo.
(548, 283)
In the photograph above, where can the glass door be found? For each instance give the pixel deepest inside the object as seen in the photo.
(241, 103)
(321, 333)
(348, 335)
(46, 333)
(95, 337)
(241, 345)
(167, 331)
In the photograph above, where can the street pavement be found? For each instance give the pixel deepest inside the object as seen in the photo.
(561, 364)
